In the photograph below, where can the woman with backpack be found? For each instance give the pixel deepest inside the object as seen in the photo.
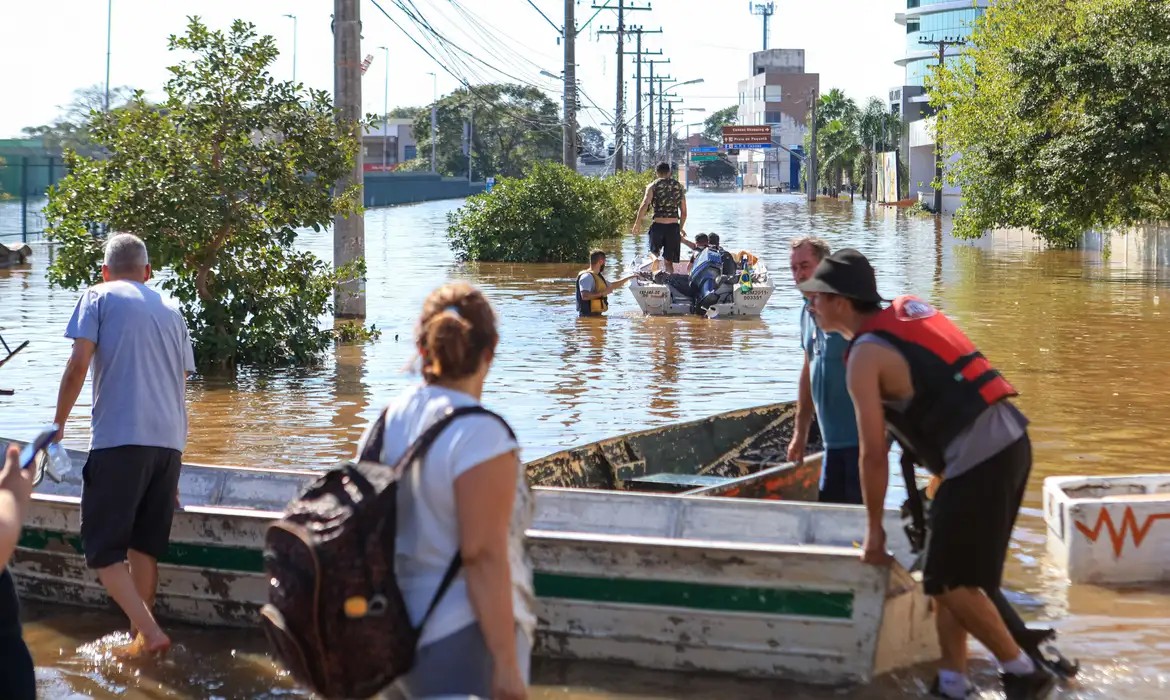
(469, 497)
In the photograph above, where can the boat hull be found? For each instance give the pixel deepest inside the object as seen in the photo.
(656, 300)
(755, 588)
(739, 453)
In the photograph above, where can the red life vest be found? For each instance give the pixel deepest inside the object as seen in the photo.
(953, 381)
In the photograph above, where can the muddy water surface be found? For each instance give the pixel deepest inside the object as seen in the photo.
(1080, 333)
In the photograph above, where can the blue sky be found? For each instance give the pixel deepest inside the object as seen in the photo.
(49, 49)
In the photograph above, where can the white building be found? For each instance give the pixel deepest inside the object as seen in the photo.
(777, 93)
(928, 21)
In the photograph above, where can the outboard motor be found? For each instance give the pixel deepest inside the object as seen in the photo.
(705, 272)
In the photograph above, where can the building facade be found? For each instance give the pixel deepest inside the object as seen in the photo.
(386, 146)
(778, 93)
(926, 22)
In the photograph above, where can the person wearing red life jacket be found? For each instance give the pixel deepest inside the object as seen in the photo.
(909, 369)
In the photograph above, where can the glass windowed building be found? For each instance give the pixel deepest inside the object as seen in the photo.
(931, 20)
(926, 21)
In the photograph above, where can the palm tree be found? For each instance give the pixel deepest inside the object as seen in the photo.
(834, 105)
(878, 131)
(838, 147)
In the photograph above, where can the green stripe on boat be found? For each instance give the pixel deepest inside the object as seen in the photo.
(677, 594)
(199, 556)
(697, 596)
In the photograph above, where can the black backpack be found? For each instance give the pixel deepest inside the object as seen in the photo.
(336, 617)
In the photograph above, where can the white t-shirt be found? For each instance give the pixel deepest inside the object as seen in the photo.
(428, 531)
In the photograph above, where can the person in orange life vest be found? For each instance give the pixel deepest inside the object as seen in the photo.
(592, 289)
(911, 370)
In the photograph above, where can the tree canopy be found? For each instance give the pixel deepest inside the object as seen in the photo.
(217, 180)
(592, 140)
(72, 129)
(1059, 117)
(713, 124)
(514, 126)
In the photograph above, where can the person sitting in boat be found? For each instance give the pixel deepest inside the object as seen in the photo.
(592, 289)
(728, 264)
(681, 282)
(701, 242)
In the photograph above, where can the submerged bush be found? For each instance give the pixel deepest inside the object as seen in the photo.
(550, 215)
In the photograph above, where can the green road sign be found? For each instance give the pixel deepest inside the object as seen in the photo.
(697, 158)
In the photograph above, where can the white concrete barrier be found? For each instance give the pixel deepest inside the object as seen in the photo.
(1109, 529)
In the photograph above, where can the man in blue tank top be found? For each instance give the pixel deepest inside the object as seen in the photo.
(823, 389)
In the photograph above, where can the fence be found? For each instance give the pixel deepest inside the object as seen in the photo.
(24, 182)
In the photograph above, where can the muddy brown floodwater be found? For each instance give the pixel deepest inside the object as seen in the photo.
(1080, 333)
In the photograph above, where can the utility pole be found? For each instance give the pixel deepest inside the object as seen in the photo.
(619, 112)
(109, 34)
(470, 143)
(653, 148)
(349, 233)
(385, 107)
(669, 142)
(434, 117)
(765, 10)
(811, 162)
(661, 115)
(942, 45)
(570, 77)
(638, 32)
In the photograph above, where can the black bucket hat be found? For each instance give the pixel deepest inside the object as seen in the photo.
(847, 273)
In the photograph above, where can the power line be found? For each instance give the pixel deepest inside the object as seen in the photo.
(459, 78)
(546, 19)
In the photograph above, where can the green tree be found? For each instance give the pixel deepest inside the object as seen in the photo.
(713, 125)
(552, 214)
(409, 112)
(878, 131)
(513, 127)
(721, 170)
(592, 140)
(837, 151)
(835, 106)
(72, 129)
(217, 180)
(1058, 117)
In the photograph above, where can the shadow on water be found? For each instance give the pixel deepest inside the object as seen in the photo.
(1080, 333)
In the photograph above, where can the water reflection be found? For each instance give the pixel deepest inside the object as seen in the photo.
(1080, 334)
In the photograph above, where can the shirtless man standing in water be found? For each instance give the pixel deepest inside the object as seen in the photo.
(669, 199)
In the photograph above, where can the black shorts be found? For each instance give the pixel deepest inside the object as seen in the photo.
(668, 239)
(128, 502)
(842, 476)
(971, 520)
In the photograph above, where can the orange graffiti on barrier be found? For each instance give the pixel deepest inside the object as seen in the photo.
(1128, 524)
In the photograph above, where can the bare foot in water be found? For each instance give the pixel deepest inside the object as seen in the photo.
(140, 646)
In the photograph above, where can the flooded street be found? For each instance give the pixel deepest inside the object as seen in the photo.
(1079, 333)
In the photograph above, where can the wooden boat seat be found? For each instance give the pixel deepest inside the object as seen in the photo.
(669, 482)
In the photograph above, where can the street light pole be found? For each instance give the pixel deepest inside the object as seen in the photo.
(434, 117)
(385, 107)
(109, 26)
(294, 19)
(662, 97)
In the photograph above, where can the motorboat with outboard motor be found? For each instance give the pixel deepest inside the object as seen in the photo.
(709, 286)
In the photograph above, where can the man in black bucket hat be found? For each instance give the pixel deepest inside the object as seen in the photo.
(912, 371)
